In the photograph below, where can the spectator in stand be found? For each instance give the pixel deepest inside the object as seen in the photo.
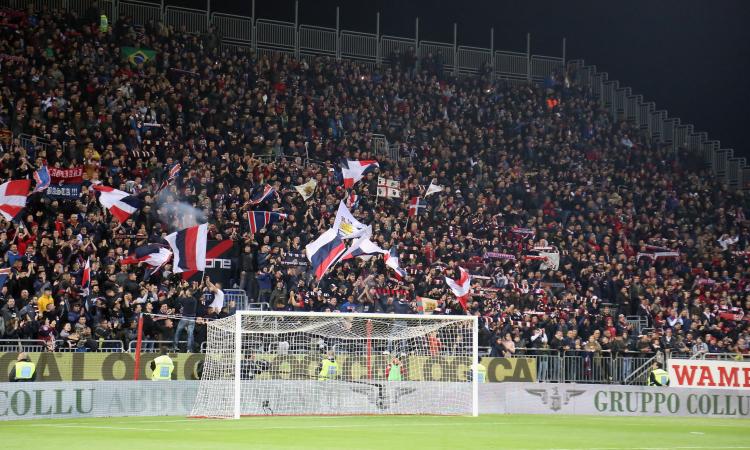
(188, 307)
(699, 348)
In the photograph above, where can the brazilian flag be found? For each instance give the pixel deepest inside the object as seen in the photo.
(137, 55)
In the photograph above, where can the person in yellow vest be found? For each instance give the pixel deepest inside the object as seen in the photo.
(658, 376)
(161, 368)
(23, 370)
(329, 368)
(103, 24)
(481, 372)
(394, 372)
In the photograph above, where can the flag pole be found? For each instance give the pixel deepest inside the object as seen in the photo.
(139, 342)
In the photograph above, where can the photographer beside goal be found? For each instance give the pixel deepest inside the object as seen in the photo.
(251, 367)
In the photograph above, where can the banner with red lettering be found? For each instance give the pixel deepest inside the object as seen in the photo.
(691, 373)
(73, 175)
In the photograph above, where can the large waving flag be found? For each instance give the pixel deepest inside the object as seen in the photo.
(189, 248)
(308, 189)
(388, 188)
(365, 250)
(356, 244)
(137, 55)
(42, 179)
(120, 204)
(4, 274)
(352, 200)
(86, 278)
(461, 287)
(353, 171)
(345, 223)
(325, 252)
(262, 219)
(262, 195)
(433, 188)
(13, 197)
(169, 176)
(549, 256)
(391, 260)
(414, 204)
(155, 255)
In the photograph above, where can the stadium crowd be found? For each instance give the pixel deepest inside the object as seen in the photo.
(641, 230)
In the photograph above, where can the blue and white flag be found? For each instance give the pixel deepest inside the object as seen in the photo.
(392, 261)
(42, 179)
(262, 219)
(325, 252)
(261, 195)
(352, 200)
(347, 226)
(4, 274)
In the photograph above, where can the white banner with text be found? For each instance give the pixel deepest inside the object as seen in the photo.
(691, 373)
(47, 400)
(96, 399)
(612, 400)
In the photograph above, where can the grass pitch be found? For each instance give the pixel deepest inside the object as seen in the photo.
(380, 432)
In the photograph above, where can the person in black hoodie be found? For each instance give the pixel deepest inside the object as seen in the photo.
(189, 304)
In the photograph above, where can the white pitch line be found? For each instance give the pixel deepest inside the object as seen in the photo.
(259, 426)
(366, 425)
(96, 427)
(649, 448)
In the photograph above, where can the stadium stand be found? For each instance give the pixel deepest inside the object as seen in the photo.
(652, 248)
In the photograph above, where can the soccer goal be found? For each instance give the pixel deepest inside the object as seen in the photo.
(285, 363)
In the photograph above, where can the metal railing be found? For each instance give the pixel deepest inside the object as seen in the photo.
(577, 366)
(140, 12)
(25, 345)
(38, 345)
(80, 7)
(668, 132)
(103, 346)
(380, 145)
(638, 323)
(242, 302)
(639, 374)
(191, 20)
(29, 142)
(294, 38)
(152, 345)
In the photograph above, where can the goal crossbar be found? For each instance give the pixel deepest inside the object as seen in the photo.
(353, 315)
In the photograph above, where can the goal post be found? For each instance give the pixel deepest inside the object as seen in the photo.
(305, 363)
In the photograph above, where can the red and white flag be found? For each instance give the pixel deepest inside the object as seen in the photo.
(388, 188)
(13, 197)
(120, 204)
(189, 248)
(353, 171)
(86, 278)
(414, 204)
(155, 255)
(392, 261)
(461, 287)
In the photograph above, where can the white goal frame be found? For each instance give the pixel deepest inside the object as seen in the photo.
(237, 380)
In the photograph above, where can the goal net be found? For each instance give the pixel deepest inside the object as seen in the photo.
(282, 363)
